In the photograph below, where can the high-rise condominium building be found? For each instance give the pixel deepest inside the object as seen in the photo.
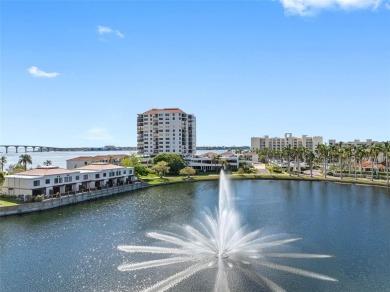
(277, 143)
(167, 130)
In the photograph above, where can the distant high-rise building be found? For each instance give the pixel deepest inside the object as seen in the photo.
(167, 130)
(279, 143)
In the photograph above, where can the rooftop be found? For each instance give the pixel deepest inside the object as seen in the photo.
(45, 170)
(100, 167)
(98, 157)
(165, 110)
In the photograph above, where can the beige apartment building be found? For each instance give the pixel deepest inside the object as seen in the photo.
(167, 130)
(279, 143)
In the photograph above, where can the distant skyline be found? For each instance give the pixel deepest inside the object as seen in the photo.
(77, 73)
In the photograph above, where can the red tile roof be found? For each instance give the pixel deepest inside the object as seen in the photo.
(163, 110)
(227, 154)
(46, 170)
(98, 157)
(208, 154)
(368, 164)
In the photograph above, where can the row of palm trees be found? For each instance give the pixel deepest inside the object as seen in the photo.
(344, 156)
(24, 160)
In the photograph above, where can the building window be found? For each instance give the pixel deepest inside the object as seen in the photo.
(47, 181)
(77, 177)
(97, 175)
(58, 180)
(124, 172)
(85, 176)
(104, 174)
(36, 183)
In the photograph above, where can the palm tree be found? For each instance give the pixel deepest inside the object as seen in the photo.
(25, 159)
(361, 153)
(47, 163)
(354, 150)
(224, 164)
(386, 151)
(348, 153)
(279, 153)
(340, 154)
(3, 161)
(374, 151)
(300, 151)
(287, 152)
(309, 159)
(216, 160)
(333, 154)
(323, 151)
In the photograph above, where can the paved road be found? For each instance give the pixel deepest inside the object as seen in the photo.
(260, 167)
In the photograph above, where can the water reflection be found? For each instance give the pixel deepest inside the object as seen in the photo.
(74, 248)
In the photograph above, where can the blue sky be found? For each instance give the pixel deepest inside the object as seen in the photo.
(77, 73)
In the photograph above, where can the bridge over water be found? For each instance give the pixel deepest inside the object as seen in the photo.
(37, 148)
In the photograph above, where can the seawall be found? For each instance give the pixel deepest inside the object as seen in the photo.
(69, 199)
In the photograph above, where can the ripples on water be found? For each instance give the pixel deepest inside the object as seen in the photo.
(75, 248)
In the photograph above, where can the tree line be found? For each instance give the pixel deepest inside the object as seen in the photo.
(340, 157)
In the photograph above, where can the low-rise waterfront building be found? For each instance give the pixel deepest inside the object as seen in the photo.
(51, 180)
(249, 157)
(211, 161)
(279, 143)
(86, 160)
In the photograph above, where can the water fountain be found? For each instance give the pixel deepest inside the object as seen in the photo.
(223, 244)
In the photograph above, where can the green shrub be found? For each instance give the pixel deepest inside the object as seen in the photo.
(39, 198)
(274, 168)
(6, 196)
(240, 171)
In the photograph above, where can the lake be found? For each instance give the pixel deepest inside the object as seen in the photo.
(75, 248)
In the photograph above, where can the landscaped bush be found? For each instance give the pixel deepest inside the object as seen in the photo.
(240, 171)
(39, 198)
(6, 196)
(274, 168)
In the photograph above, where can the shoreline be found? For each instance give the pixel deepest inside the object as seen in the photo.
(53, 203)
(214, 177)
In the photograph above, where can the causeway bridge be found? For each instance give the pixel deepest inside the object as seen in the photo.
(38, 148)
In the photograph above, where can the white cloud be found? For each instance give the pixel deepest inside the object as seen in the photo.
(311, 7)
(102, 30)
(98, 134)
(34, 71)
(387, 5)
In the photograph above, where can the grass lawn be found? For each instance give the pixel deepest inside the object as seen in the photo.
(5, 202)
(152, 179)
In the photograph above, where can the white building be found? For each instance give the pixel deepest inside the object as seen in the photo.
(278, 143)
(207, 161)
(49, 180)
(168, 130)
(86, 160)
(355, 142)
